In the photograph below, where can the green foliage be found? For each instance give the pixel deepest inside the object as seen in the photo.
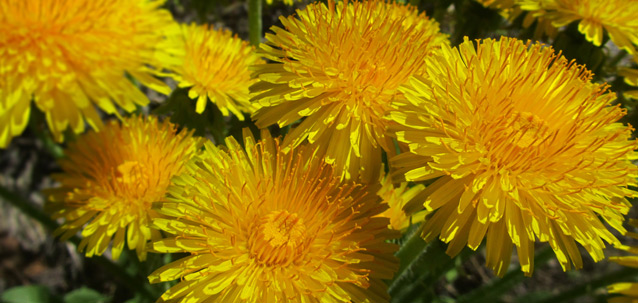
(41, 294)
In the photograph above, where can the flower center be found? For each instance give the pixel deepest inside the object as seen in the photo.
(526, 129)
(131, 172)
(283, 228)
(278, 237)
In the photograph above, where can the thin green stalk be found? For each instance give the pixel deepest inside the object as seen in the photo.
(126, 280)
(410, 251)
(589, 287)
(422, 265)
(254, 21)
(37, 126)
(491, 292)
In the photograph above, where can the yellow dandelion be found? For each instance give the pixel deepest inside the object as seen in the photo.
(265, 226)
(396, 198)
(111, 178)
(616, 17)
(70, 56)
(339, 66)
(524, 147)
(628, 291)
(215, 67)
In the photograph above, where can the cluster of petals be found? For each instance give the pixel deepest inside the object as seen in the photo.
(215, 66)
(111, 178)
(70, 57)
(521, 147)
(262, 225)
(338, 66)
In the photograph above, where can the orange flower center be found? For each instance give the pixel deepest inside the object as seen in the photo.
(278, 238)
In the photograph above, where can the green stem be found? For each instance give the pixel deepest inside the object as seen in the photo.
(254, 21)
(131, 282)
(37, 126)
(410, 251)
(589, 287)
(491, 292)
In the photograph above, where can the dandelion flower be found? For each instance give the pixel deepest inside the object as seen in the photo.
(628, 291)
(523, 146)
(111, 178)
(339, 66)
(616, 17)
(396, 198)
(70, 56)
(215, 67)
(265, 226)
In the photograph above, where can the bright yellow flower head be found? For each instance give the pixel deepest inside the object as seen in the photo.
(70, 56)
(628, 291)
(215, 67)
(339, 66)
(617, 17)
(396, 198)
(265, 226)
(524, 147)
(111, 178)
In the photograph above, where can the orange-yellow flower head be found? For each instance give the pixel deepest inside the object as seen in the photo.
(339, 66)
(70, 56)
(111, 178)
(215, 67)
(265, 226)
(616, 17)
(524, 147)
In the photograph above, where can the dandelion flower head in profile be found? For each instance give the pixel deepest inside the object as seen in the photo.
(396, 197)
(71, 56)
(262, 225)
(523, 147)
(627, 291)
(215, 67)
(616, 17)
(112, 177)
(339, 65)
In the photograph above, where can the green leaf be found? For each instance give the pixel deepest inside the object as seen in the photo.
(85, 295)
(30, 293)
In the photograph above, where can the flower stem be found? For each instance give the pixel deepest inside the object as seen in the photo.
(410, 251)
(254, 21)
(493, 291)
(37, 126)
(126, 280)
(589, 287)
